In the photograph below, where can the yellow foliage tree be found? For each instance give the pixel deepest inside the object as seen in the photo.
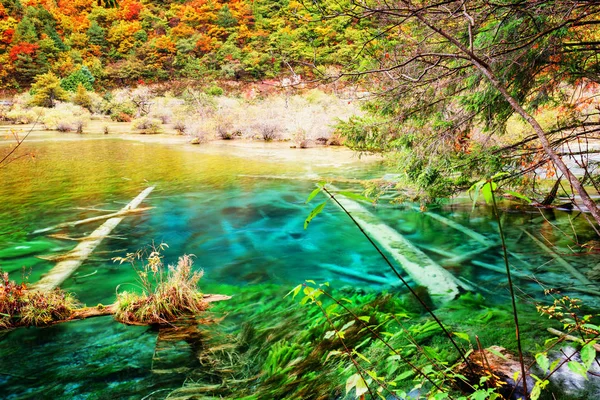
(46, 90)
(82, 97)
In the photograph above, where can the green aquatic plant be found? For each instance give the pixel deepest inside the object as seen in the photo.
(579, 326)
(419, 298)
(397, 353)
(281, 358)
(297, 352)
(21, 306)
(445, 372)
(167, 292)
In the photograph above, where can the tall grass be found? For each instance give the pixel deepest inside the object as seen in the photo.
(20, 306)
(167, 292)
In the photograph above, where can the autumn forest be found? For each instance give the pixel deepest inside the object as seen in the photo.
(149, 41)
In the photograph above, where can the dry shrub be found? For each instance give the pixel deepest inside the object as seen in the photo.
(119, 102)
(62, 126)
(198, 131)
(23, 99)
(96, 102)
(20, 306)
(20, 115)
(283, 117)
(198, 104)
(78, 126)
(302, 139)
(224, 127)
(268, 130)
(66, 117)
(180, 126)
(166, 108)
(167, 293)
(147, 125)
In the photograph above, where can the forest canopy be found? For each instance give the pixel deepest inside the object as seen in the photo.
(140, 40)
(473, 88)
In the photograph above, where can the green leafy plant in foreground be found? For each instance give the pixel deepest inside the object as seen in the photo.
(167, 292)
(439, 379)
(568, 312)
(392, 352)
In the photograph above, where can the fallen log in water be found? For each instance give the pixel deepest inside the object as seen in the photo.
(468, 256)
(63, 236)
(360, 275)
(561, 261)
(523, 276)
(125, 211)
(441, 284)
(100, 310)
(435, 250)
(57, 275)
(570, 338)
(111, 309)
(478, 237)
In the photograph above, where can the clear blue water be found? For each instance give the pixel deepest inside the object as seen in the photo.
(243, 229)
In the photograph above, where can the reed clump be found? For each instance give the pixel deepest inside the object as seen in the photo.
(20, 306)
(167, 292)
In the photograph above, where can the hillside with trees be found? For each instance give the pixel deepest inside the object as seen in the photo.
(138, 40)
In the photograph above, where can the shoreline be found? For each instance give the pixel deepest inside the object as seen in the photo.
(276, 151)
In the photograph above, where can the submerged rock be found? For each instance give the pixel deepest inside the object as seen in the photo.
(503, 365)
(567, 384)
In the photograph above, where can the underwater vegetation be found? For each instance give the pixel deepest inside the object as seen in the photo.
(273, 347)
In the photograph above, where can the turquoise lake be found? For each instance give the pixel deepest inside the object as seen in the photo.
(240, 212)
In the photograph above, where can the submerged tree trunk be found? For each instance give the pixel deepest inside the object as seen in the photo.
(111, 309)
(61, 271)
(441, 285)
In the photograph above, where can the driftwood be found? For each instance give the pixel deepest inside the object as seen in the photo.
(84, 249)
(461, 258)
(435, 250)
(360, 275)
(561, 261)
(125, 211)
(523, 276)
(441, 284)
(570, 338)
(63, 236)
(101, 310)
(523, 261)
(478, 237)
(98, 311)
(502, 270)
